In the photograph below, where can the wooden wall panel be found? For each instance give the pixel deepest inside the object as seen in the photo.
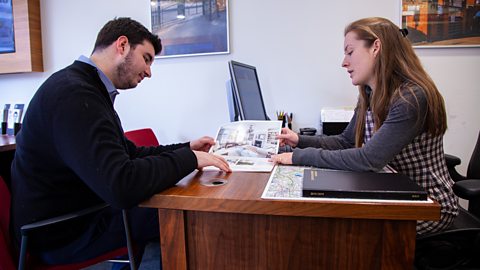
(28, 39)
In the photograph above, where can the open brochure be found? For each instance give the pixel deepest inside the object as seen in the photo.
(247, 145)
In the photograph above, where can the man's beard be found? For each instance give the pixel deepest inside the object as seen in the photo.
(124, 73)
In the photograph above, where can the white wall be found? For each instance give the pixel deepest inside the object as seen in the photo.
(297, 48)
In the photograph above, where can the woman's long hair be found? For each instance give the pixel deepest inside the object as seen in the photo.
(397, 66)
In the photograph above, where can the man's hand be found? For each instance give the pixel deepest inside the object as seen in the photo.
(206, 159)
(288, 137)
(203, 144)
(285, 158)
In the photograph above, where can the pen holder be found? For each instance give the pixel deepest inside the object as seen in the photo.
(282, 118)
(4, 127)
(16, 128)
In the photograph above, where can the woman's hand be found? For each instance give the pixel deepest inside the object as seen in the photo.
(285, 158)
(288, 137)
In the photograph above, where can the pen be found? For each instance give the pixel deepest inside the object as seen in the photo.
(5, 112)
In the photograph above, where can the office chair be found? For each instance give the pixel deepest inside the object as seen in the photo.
(457, 247)
(8, 255)
(468, 187)
(142, 137)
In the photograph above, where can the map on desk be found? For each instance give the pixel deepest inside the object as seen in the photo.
(286, 182)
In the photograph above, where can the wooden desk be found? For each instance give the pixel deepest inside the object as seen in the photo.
(7, 143)
(231, 227)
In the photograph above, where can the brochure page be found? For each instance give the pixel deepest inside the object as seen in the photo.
(247, 145)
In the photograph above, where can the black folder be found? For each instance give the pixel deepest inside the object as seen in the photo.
(360, 185)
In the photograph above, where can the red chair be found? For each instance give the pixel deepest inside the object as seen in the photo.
(142, 137)
(8, 256)
(6, 253)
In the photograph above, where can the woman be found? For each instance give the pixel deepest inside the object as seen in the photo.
(399, 120)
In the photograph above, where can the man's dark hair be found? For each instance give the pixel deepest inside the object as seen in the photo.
(133, 30)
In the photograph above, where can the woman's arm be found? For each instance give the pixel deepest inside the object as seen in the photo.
(397, 131)
(334, 142)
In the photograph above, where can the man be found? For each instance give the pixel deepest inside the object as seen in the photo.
(72, 153)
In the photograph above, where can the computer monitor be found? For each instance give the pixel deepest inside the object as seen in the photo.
(246, 94)
(233, 110)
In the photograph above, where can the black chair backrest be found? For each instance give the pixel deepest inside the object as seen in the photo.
(473, 171)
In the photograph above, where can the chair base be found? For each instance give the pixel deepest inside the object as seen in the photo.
(455, 248)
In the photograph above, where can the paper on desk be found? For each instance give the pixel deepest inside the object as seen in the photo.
(246, 164)
(247, 145)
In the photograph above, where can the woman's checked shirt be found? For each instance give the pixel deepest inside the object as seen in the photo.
(423, 160)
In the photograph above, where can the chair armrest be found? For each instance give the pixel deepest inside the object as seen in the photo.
(467, 189)
(56, 220)
(452, 160)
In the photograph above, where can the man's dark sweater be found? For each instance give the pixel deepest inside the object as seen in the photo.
(72, 154)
